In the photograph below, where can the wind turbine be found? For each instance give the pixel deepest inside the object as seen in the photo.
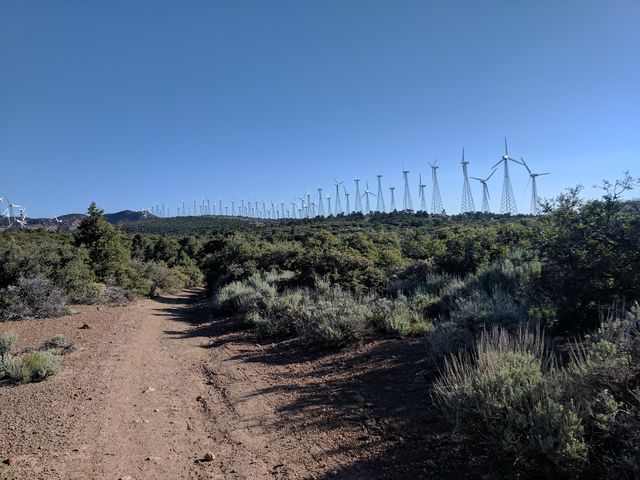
(485, 191)
(338, 208)
(303, 206)
(367, 208)
(358, 202)
(7, 211)
(22, 220)
(348, 210)
(467, 197)
(380, 207)
(436, 199)
(393, 198)
(328, 206)
(423, 200)
(320, 203)
(508, 203)
(407, 204)
(535, 201)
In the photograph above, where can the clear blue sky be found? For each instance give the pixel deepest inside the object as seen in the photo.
(131, 102)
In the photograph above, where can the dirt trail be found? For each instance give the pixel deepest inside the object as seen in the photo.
(137, 414)
(154, 386)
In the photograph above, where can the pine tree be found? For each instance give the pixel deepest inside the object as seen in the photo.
(109, 258)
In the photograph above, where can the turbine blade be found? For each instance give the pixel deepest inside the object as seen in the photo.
(494, 171)
(506, 150)
(525, 165)
(497, 164)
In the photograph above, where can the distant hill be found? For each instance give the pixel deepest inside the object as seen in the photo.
(127, 216)
(71, 221)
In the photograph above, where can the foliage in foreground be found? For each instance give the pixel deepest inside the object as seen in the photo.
(511, 391)
(35, 365)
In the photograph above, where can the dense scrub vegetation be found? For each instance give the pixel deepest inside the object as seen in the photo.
(532, 322)
(40, 271)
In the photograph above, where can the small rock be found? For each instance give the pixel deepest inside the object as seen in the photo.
(85, 326)
(126, 477)
(150, 389)
(209, 457)
(358, 398)
(156, 410)
(9, 461)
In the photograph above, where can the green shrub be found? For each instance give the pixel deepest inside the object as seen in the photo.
(281, 315)
(507, 392)
(447, 338)
(37, 366)
(396, 316)
(12, 368)
(246, 295)
(163, 278)
(34, 297)
(517, 275)
(117, 295)
(335, 319)
(89, 294)
(7, 341)
(479, 310)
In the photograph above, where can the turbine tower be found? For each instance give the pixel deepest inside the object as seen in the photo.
(393, 198)
(436, 199)
(328, 206)
(535, 201)
(485, 191)
(423, 200)
(367, 208)
(467, 198)
(338, 208)
(348, 209)
(320, 203)
(508, 203)
(407, 204)
(358, 202)
(380, 205)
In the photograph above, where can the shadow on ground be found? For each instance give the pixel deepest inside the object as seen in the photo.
(373, 399)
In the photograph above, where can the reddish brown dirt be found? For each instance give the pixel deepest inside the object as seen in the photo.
(155, 385)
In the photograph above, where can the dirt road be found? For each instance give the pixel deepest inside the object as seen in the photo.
(153, 387)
